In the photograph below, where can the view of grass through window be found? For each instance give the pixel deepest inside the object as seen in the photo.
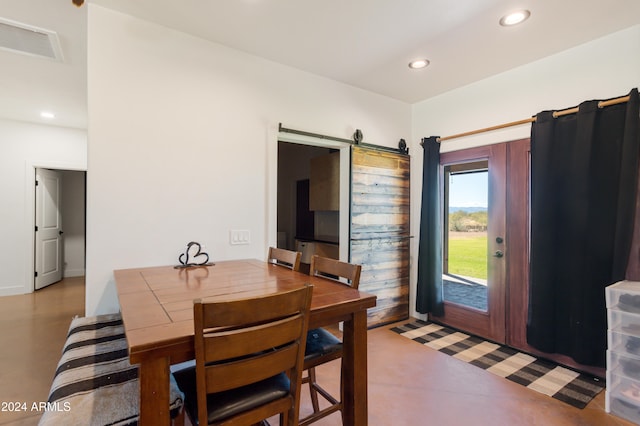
(467, 227)
(468, 254)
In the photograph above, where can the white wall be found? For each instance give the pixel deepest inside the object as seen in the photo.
(182, 141)
(605, 68)
(25, 146)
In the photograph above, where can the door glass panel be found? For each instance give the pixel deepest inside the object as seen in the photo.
(465, 239)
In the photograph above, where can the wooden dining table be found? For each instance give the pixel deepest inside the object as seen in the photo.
(156, 304)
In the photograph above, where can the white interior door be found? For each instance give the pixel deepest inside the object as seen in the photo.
(48, 235)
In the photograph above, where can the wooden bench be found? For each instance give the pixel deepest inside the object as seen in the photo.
(94, 383)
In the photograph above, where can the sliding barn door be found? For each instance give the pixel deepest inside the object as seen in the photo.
(380, 230)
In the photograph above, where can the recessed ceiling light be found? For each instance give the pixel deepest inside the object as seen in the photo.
(417, 64)
(47, 114)
(514, 18)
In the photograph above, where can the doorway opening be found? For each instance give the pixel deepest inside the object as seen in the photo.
(310, 187)
(59, 225)
(291, 153)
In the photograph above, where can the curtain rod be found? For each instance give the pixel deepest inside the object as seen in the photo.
(556, 114)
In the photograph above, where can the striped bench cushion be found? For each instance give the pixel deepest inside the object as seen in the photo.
(94, 383)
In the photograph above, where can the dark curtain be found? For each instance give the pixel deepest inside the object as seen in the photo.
(429, 298)
(584, 173)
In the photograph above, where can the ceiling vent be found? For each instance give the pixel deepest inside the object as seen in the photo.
(29, 40)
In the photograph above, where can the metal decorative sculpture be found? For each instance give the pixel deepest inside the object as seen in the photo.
(193, 256)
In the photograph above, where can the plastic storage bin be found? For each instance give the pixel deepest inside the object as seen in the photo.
(624, 365)
(623, 322)
(624, 296)
(624, 343)
(622, 396)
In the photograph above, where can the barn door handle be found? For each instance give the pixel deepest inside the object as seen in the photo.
(60, 232)
(498, 253)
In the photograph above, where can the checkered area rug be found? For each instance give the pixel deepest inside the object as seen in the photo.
(574, 388)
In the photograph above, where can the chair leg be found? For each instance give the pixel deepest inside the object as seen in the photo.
(179, 420)
(342, 392)
(312, 390)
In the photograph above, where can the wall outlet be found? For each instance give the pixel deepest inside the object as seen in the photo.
(239, 236)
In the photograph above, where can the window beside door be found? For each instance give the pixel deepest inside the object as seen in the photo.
(465, 234)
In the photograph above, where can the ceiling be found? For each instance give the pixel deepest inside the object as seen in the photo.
(363, 43)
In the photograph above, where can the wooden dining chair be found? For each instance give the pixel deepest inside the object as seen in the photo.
(286, 258)
(322, 346)
(249, 359)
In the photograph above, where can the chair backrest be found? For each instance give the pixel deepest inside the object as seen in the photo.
(243, 341)
(335, 269)
(287, 258)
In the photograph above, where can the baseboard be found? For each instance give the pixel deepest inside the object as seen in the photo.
(70, 273)
(12, 291)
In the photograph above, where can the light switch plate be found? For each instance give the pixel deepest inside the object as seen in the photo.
(239, 236)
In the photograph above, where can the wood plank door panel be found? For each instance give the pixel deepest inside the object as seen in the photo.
(380, 230)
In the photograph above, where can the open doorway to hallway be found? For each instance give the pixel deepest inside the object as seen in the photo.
(59, 231)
